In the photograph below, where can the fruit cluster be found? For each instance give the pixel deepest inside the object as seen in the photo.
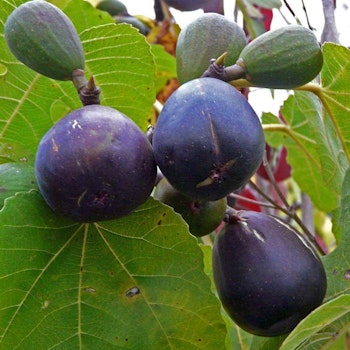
(96, 164)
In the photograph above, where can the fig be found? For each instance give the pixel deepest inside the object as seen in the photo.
(211, 35)
(268, 277)
(202, 217)
(283, 58)
(207, 141)
(134, 22)
(113, 7)
(187, 5)
(42, 37)
(95, 164)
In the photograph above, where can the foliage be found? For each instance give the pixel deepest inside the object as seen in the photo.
(143, 281)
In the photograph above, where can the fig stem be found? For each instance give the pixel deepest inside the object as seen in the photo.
(218, 70)
(90, 93)
(252, 201)
(78, 79)
(269, 172)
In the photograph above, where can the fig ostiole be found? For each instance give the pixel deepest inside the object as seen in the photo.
(268, 277)
(95, 164)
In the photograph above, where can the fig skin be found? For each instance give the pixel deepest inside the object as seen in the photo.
(42, 37)
(95, 164)
(211, 34)
(208, 141)
(202, 217)
(267, 276)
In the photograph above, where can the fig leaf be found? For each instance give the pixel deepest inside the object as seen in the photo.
(105, 285)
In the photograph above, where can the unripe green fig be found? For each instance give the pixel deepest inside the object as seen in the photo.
(283, 58)
(207, 37)
(208, 140)
(95, 164)
(42, 37)
(202, 217)
(268, 277)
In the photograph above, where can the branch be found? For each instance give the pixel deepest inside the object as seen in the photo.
(330, 32)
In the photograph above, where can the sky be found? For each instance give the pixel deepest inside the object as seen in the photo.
(261, 99)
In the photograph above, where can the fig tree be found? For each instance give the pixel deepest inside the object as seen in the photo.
(208, 141)
(95, 164)
(42, 37)
(202, 217)
(268, 277)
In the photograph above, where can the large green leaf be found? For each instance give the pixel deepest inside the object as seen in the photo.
(135, 283)
(117, 55)
(317, 134)
(335, 77)
(166, 66)
(300, 137)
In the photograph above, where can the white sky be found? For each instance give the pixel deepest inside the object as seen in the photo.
(261, 99)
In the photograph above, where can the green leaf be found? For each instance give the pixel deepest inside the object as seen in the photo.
(166, 66)
(117, 55)
(304, 137)
(337, 263)
(15, 177)
(135, 283)
(305, 335)
(335, 77)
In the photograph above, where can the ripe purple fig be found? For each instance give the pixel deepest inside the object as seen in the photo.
(95, 164)
(268, 277)
(208, 141)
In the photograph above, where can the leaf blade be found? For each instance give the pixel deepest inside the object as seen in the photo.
(126, 276)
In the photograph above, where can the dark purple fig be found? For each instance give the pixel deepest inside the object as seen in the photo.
(202, 217)
(268, 277)
(208, 141)
(95, 164)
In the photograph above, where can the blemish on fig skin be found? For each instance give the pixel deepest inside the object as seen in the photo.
(347, 275)
(54, 145)
(217, 174)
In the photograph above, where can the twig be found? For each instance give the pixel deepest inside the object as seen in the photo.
(330, 32)
(292, 214)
